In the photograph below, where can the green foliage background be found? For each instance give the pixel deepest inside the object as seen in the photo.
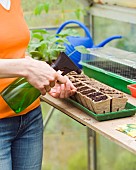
(58, 12)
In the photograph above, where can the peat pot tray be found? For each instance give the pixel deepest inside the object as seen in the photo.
(129, 110)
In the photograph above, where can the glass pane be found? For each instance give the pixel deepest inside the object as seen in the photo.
(111, 156)
(104, 28)
(65, 143)
(54, 13)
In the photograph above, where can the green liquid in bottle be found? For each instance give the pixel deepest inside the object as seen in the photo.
(20, 94)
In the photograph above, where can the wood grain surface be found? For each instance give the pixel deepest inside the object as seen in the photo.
(125, 3)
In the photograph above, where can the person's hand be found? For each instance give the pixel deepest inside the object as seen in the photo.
(63, 90)
(42, 76)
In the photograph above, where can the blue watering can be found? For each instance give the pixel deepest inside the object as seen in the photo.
(86, 41)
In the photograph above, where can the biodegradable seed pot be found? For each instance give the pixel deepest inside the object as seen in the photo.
(99, 100)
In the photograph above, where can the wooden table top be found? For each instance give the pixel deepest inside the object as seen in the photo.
(106, 128)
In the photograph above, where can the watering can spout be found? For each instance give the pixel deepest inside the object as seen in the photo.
(103, 43)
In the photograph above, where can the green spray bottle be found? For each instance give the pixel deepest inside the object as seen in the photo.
(20, 94)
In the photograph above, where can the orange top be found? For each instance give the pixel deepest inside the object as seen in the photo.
(14, 38)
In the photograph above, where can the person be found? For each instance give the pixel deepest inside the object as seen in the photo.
(21, 135)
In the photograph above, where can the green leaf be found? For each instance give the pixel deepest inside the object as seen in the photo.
(62, 40)
(36, 55)
(35, 45)
(60, 49)
(46, 7)
(42, 31)
(38, 10)
(68, 32)
(82, 49)
(41, 7)
(37, 36)
(77, 13)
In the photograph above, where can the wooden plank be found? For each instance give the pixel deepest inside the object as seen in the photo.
(106, 128)
(124, 3)
(67, 108)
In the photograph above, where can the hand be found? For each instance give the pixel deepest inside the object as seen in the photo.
(42, 76)
(63, 90)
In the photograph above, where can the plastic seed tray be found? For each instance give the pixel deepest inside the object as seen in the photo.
(114, 67)
(111, 66)
(129, 110)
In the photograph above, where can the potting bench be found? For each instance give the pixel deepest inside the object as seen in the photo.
(105, 128)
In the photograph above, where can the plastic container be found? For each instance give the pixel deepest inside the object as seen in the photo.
(86, 41)
(108, 78)
(129, 110)
(115, 70)
(132, 88)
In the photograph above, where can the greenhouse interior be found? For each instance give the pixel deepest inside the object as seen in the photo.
(95, 127)
(67, 142)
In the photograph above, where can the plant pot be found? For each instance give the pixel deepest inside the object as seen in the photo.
(132, 88)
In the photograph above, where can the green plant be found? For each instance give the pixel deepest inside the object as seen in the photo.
(60, 4)
(47, 47)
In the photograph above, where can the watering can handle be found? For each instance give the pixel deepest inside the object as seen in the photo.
(87, 32)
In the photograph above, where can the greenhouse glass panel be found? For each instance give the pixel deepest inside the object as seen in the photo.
(110, 155)
(104, 28)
